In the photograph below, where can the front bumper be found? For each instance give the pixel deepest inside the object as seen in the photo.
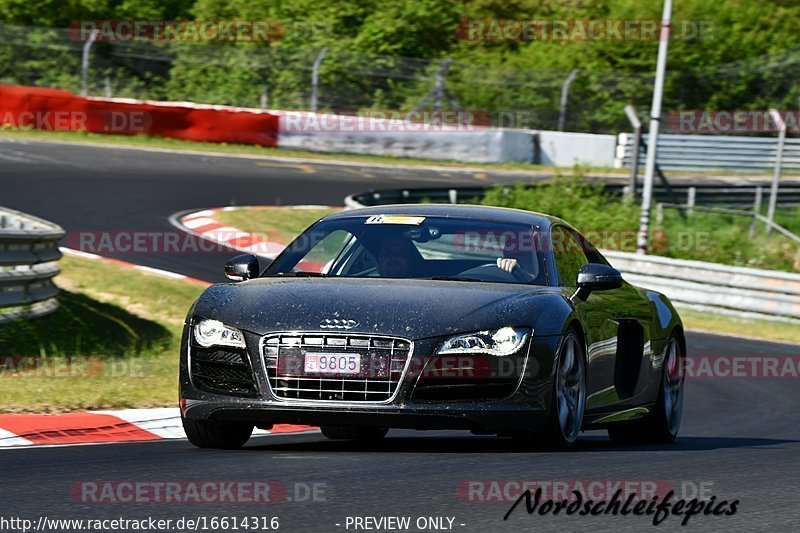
(526, 408)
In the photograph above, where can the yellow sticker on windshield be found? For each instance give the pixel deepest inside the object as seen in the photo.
(395, 219)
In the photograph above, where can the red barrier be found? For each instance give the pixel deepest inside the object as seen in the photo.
(57, 110)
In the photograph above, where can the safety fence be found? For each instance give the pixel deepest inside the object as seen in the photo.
(28, 255)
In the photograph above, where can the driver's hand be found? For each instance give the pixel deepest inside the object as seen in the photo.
(506, 263)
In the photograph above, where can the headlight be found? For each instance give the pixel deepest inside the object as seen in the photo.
(499, 342)
(214, 333)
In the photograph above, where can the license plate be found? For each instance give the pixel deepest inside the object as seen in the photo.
(332, 363)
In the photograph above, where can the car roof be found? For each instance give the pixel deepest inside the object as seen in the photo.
(474, 212)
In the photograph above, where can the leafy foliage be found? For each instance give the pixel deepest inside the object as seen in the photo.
(725, 54)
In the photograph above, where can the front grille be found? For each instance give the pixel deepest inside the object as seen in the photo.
(383, 362)
(222, 371)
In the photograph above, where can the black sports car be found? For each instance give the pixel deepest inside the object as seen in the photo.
(492, 320)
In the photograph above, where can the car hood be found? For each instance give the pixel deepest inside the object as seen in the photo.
(412, 309)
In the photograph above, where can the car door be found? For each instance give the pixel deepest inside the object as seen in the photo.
(617, 326)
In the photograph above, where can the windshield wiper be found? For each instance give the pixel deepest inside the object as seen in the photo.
(453, 278)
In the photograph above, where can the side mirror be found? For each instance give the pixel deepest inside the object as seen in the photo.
(242, 267)
(596, 277)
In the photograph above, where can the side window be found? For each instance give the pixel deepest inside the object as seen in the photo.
(568, 254)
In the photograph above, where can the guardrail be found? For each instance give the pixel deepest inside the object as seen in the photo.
(712, 152)
(28, 255)
(738, 291)
(713, 287)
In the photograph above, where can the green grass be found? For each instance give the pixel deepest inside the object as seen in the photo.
(727, 325)
(113, 343)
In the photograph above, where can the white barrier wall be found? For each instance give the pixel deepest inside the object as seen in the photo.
(566, 149)
(362, 135)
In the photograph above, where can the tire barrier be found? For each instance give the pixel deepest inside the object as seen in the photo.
(28, 255)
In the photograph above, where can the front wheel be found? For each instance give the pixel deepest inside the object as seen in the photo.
(662, 425)
(214, 434)
(569, 399)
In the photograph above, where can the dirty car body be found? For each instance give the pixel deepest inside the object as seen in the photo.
(401, 317)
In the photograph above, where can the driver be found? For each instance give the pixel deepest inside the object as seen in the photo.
(395, 257)
(518, 263)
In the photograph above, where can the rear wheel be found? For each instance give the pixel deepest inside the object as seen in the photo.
(214, 434)
(359, 433)
(663, 424)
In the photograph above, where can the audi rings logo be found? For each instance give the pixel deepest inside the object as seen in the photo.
(337, 324)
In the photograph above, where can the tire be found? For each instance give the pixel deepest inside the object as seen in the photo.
(568, 402)
(663, 424)
(359, 433)
(213, 434)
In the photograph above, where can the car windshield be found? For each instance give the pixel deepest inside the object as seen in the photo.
(415, 247)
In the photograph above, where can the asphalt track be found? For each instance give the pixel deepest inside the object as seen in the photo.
(740, 438)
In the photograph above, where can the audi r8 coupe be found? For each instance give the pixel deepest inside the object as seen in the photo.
(493, 320)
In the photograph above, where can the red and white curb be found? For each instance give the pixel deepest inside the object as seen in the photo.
(103, 427)
(203, 224)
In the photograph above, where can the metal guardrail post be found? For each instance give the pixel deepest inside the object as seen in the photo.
(691, 195)
(438, 92)
(562, 112)
(756, 210)
(264, 97)
(87, 47)
(643, 238)
(630, 112)
(315, 78)
(776, 175)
